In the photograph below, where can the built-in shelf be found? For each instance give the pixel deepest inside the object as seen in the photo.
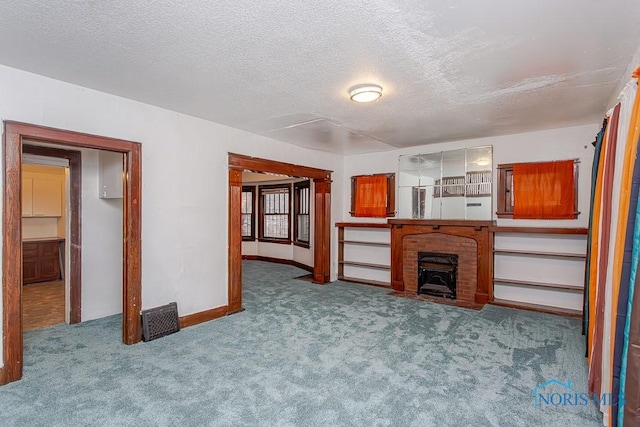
(536, 289)
(357, 242)
(560, 311)
(532, 284)
(539, 230)
(538, 253)
(365, 264)
(362, 225)
(365, 282)
(342, 242)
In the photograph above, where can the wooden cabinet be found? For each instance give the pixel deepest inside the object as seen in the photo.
(40, 261)
(41, 197)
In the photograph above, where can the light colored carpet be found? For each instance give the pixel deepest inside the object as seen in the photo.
(306, 355)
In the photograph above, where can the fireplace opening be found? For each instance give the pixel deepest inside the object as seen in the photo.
(437, 274)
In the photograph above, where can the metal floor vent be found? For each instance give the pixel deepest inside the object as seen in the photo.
(160, 321)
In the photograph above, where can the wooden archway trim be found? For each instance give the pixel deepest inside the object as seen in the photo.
(322, 211)
(75, 230)
(14, 133)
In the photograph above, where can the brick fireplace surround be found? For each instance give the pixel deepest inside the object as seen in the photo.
(470, 240)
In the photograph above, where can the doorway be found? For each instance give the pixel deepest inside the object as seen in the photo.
(69, 230)
(321, 208)
(14, 135)
(44, 233)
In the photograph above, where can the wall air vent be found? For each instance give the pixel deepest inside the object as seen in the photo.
(160, 321)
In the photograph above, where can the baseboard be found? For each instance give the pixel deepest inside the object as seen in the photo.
(235, 311)
(278, 261)
(202, 316)
(558, 311)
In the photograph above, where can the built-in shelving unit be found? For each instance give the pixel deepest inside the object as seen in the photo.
(528, 275)
(539, 253)
(364, 253)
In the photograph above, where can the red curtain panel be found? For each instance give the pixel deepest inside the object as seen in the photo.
(543, 190)
(371, 196)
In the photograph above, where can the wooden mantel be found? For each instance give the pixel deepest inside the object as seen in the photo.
(476, 230)
(440, 223)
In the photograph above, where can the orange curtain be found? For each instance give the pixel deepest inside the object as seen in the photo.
(543, 190)
(371, 196)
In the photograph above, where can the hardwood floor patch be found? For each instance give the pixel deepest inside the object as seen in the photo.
(42, 305)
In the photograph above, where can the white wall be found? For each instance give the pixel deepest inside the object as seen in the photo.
(101, 245)
(553, 144)
(184, 180)
(39, 227)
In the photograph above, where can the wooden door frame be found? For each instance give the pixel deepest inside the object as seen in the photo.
(322, 218)
(75, 236)
(14, 133)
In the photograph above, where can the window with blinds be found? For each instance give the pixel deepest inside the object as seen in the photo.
(274, 212)
(248, 216)
(301, 225)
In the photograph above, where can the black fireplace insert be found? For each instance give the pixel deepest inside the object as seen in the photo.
(437, 274)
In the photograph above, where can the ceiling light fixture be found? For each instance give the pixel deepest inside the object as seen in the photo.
(365, 93)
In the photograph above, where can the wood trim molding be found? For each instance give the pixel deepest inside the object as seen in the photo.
(505, 174)
(132, 291)
(441, 222)
(538, 308)
(540, 230)
(14, 133)
(254, 164)
(362, 225)
(391, 193)
(75, 229)
(234, 284)
(203, 316)
(322, 224)
(12, 258)
(322, 231)
(261, 212)
(253, 190)
(278, 261)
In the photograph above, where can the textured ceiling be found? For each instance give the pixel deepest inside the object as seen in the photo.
(450, 70)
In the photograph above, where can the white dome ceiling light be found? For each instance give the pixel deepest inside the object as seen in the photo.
(365, 93)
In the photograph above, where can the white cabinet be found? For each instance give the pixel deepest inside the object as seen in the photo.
(110, 175)
(41, 197)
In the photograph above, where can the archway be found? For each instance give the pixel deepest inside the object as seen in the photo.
(322, 224)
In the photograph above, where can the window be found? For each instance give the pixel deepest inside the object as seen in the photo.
(248, 213)
(301, 206)
(373, 196)
(507, 193)
(275, 221)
